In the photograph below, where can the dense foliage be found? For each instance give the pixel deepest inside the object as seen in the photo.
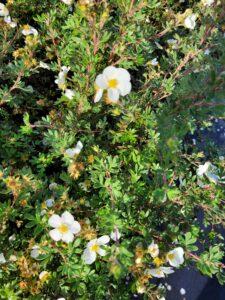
(128, 172)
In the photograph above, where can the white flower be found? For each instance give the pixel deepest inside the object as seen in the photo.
(138, 260)
(141, 289)
(85, 185)
(71, 152)
(9, 21)
(172, 43)
(65, 227)
(182, 183)
(69, 94)
(13, 258)
(43, 276)
(13, 24)
(154, 61)
(213, 177)
(28, 30)
(35, 251)
(61, 299)
(44, 65)
(12, 237)
(175, 257)
(94, 247)
(115, 80)
(207, 2)
(207, 51)
(210, 171)
(49, 202)
(153, 249)
(115, 235)
(182, 291)
(202, 169)
(68, 2)
(52, 186)
(159, 272)
(43, 212)
(3, 10)
(2, 257)
(189, 21)
(61, 80)
(147, 20)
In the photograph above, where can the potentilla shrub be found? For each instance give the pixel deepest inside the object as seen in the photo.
(100, 190)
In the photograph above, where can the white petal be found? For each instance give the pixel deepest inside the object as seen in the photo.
(202, 169)
(153, 250)
(60, 81)
(13, 24)
(69, 94)
(98, 95)
(75, 227)
(91, 243)
(43, 212)
(115, 235)
(67, 218)
(155, 272)
(44, 65)
(167, 270)
(7, 19)
(2, 258)
(52, 186)
(78, 147)
(68, 2)
(30, 30)
(70, 152)
(34, 31)
(102, 252)
(3, 10)
(172, 41)
(103, 240)
(42, 274)
(189, 22)
(67, 237)
(89, 256)
(55, 221)
(124, 88)
(154, 61)
(123, 74)
(64, 70)
(212, 177)
(101, 81)
(50, 202)
(177, 257)
(113, 95)
(110, 72)
(35, 252)
(55, 235)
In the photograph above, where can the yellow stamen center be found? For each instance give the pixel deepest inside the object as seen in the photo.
(63, 228)
(26, 27)
(95, 248)
(171, 256)
(112, 83)
(157, 261)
